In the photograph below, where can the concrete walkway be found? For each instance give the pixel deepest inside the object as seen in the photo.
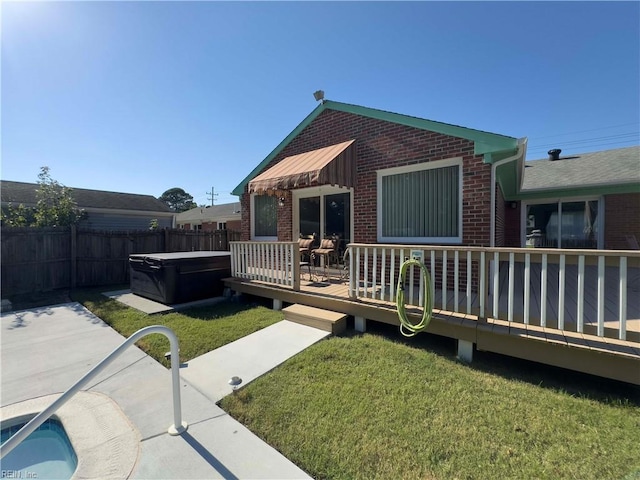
(248, 357)
(45, 350)
(152, 307)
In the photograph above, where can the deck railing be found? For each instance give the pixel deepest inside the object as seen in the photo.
(585, 291)
(573, 290)
(269, 262)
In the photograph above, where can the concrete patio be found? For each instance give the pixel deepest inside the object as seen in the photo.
(46, 350)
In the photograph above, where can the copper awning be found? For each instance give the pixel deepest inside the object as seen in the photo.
(333, 165)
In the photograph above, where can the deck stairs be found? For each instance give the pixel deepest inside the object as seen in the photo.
(333, 322)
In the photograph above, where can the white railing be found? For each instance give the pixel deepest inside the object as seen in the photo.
(271, 262)
(584, 291)
(178, 426)
(573, 290)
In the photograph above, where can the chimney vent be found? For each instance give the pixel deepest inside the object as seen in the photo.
(554, 154)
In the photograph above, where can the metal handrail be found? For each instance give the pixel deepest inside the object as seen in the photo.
(178, 426)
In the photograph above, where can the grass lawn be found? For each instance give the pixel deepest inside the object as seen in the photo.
(199, 330)
(379, 406)
(370, 406)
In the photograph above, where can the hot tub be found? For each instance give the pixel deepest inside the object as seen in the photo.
(179, 277)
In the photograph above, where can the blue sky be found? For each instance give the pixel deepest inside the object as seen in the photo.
(141, 97)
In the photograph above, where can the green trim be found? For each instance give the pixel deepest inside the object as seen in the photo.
(508, 179)
(577, 192)
(491, 145)
(484, 142)
(239, 190)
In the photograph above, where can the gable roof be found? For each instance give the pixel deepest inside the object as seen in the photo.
(617, 171)
(224, 210)
(25, 193)
(493, 146)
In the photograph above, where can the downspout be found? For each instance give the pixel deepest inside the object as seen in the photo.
(522, 149)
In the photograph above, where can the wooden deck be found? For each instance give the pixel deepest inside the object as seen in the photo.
(583, 352)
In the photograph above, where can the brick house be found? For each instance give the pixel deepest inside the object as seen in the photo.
(372, 176)
(225, 216)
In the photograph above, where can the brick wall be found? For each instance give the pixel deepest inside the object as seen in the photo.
(234, 225)
(507, 221)
(213, 225)
(245, 216)
(512, 225)
(381, 145)
(621, 217)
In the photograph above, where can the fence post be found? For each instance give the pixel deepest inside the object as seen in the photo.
(74, 255)
(224, 241)
(166, 239)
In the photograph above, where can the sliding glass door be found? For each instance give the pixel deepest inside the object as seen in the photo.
(337, 218)
(325, 212)
(309, 216)
(564, 224)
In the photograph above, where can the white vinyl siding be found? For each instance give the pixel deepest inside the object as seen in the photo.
(117, 222)
(421, 203)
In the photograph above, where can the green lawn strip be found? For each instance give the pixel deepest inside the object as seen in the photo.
(367, 407)
(199, 330)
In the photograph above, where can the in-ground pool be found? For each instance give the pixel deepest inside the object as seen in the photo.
(46, 453)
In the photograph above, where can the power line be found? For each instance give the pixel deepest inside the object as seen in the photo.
(620, 136)
(584, 131)
(620, 144)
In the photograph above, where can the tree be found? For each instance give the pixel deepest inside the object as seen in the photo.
(177, 200)
(55, 206)
(18, 216)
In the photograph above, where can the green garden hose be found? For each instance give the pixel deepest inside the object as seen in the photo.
(407, 328)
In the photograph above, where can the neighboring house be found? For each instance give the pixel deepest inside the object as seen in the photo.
(589, 200)
(215, 217)
(372, 176)
(104, 210)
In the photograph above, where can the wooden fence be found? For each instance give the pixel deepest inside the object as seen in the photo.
(44, 259)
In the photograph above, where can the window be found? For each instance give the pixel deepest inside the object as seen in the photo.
(265, 208)
(421, 203)
(222, 225)
(564, 224)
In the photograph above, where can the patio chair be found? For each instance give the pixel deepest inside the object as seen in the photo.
(328, 252)
(305, 243)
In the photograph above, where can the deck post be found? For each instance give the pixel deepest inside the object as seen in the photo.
(465, 351)
(277, 304)
(296, 269)
(360, 324)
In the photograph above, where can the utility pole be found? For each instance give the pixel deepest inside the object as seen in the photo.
(213, 196)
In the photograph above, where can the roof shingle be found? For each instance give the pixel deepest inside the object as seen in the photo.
(606, 168)
(25, 193)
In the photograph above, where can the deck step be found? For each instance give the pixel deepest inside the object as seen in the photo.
(326, 320)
